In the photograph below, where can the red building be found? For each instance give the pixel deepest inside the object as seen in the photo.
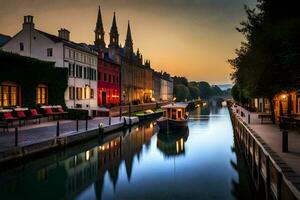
(108, 81)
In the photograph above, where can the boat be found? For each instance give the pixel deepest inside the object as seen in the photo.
(149, 114)
(129, 121)
(175, 117)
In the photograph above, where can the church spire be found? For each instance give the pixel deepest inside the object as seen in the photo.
(114, 34)
(99, 32)
(128, 41)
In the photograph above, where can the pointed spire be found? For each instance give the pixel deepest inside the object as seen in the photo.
(114, 34)
(128, 42)
(114, 28)
(128, 37)
(99, 32)
(99, 24)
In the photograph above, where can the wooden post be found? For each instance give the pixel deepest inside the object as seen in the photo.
(120, 112)
(16, 136)
(77, 125)
(285, 141)
(86, 124)
(248, 118)
(109, 120)
(57, 129)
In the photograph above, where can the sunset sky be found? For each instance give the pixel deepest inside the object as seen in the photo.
(192, 38)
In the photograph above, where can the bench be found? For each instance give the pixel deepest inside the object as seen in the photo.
(265, 116)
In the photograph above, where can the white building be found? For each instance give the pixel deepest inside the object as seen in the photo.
(78, 58)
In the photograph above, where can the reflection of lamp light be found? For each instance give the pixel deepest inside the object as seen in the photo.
(87, 155)
(151, 125)
(283, 96)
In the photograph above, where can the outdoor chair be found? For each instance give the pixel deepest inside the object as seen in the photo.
(8, 117)
(21, 116)
(35, 115)
(61, 111)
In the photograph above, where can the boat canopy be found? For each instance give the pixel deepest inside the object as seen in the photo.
(176, 111)
(175, 106)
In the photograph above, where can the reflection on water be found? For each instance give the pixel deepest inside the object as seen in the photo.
(172, 143)
(142, 164)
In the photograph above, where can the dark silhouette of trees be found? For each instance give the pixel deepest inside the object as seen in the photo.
(268, 62)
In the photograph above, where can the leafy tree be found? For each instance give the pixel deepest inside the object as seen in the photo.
(205, 90)
(181, 92)
(194, 92)
(268, 62)
(216, 91)
(180, 80)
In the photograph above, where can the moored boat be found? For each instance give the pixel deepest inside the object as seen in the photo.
(149, 114)
(174, 117)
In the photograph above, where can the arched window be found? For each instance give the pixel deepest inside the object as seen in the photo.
(9, 94)
(42, 94)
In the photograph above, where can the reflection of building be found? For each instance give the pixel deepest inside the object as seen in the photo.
(80, 61)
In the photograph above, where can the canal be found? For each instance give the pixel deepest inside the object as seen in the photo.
(140, 163)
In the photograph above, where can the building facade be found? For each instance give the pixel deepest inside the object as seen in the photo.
(108, 81)
(137, 78)
(79, 59)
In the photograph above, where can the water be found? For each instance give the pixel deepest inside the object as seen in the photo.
(140, 164)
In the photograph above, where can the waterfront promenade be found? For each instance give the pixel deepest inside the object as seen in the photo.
(47, 131)
(272, 136)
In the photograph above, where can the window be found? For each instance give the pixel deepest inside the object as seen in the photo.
(71, 93)
(88, 70)
(117, 79)
(99, 76)
(70, 70)
(9, 95)
(80, 71)
(84, 72)
(114, 79)
(92, 93)
(105, 77)
(21, 46)
(109, 78)
(49, 52)
(41, 94)
(73, 70)
(78, 93)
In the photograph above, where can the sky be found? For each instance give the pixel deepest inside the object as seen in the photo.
(191, 38)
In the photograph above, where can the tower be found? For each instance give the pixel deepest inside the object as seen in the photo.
(99, 32)
(128, 42)
(114, 34)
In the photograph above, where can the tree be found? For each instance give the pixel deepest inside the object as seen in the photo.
(268, 62)
(204, 89)
(194, 92)
(181, 92)
(216, 91)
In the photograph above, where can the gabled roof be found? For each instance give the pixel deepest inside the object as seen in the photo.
(78, 46)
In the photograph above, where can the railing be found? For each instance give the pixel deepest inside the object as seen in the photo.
(269, 172)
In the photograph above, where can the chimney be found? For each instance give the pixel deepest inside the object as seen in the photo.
(64, 34)
(28, 22)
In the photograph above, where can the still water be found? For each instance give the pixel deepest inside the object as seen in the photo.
(140, 163)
